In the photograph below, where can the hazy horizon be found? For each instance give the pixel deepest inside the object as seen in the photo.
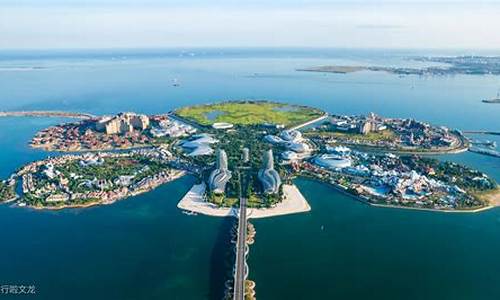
(153, 24)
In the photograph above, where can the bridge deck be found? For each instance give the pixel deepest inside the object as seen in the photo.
(239, 275)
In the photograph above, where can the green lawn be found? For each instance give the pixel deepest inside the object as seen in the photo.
(386, 135)
(249, 113)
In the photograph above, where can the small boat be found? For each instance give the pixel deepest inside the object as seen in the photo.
(175, 82)
(189, 213)
(322, 227)
(21, 204)
(493, 100)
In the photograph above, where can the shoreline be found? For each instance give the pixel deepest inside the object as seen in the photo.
(86, 150)
(403, 152)
(194, 201)
(293, 203)
(461, 148)
(365, 201)
(475, 210)
(180, 174)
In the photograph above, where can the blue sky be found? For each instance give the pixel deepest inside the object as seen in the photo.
(257, 23)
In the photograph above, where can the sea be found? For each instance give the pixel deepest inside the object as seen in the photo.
(145, 248)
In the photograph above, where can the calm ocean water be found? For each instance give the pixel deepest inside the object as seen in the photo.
(144, 248)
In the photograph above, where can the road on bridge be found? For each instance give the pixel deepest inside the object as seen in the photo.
(240, 267)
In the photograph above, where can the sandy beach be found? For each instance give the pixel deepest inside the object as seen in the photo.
(493, 197)
(293, 203)
(194, 201)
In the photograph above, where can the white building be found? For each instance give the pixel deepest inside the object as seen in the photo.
(331, 161)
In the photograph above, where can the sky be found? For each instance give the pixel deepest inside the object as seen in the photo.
(443, 24)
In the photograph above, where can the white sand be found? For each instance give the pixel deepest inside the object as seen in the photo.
(292, 203)
(195, 202)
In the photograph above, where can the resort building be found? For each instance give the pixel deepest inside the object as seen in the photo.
(245, 155)
(269, 178)
(291, 135)
(332, 161)
(123, 123)
(289, 155)
(200, 145)
(220, 175)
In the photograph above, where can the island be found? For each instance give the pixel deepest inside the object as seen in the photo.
(251, 150)
(89, 179)
(244, 160)
(449, 65)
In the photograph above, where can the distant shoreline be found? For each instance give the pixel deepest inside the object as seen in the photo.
(46, 113)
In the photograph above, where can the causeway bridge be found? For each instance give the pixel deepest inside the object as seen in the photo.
(241, 267)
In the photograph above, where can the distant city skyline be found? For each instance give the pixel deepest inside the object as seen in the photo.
(29, 24)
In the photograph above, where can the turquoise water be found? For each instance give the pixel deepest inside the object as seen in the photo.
(144, 248)
(374, 253)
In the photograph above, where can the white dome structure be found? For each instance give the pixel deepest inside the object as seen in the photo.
(222, 125)
(330, 161)
(291, 135)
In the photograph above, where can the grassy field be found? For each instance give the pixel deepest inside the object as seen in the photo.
(386, 135)
(249, 113)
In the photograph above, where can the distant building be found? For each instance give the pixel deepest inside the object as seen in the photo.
(289, 155)
(140, 122)
(291, 135)
(299, 147)
(367, 126)
(57, 198)
(220, 175)
(331, 161)
(123, 123)
(269, 178)
(339, 150)
(200, 145)
(273, 139)
(245, 155)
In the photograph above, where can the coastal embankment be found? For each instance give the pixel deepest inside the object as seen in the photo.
(294, 202)
(492, 198)
(195, 201)
(310, 122)
(43, 113)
